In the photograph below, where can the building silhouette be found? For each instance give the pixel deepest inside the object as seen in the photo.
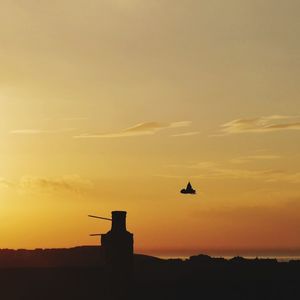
(118, 253)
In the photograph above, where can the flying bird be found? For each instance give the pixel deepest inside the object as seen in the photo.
(188, 190)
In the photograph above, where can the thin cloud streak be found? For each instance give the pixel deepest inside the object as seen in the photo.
(212, 170)
(5, 183)
(268, 175)
(251, 158)
(192, 133)
(40, 131)
(68, 183)
(141, 129)
(75, 119)
(261, 125)
(33, 184)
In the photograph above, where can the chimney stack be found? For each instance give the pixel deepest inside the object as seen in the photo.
(118, 221)
(118, 247)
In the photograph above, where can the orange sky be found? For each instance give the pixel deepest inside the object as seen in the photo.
(115, 105)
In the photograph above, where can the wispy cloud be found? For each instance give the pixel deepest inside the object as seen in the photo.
(191, 133)
(199, 165)
(75, 119)
(5, 183)
(68, 183)
(251, 158)
(40, 131)
(212, 170)
(34, 184)
(261, 124)
(147, 128)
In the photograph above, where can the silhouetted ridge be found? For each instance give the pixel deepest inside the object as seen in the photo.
(78, 273)
(84, 256)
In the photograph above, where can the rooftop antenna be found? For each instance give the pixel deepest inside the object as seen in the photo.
(97, 217)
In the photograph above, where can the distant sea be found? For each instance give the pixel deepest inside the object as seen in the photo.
(279, 258)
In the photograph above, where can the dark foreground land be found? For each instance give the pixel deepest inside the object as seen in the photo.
(79, 274)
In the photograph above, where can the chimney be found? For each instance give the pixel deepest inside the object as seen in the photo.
(118, 221)
(118, 250)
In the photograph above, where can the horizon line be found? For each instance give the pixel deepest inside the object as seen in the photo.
(246, 251)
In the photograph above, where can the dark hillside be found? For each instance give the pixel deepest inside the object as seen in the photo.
(78, 273)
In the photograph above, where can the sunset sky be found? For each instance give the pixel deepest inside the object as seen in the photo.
(116, 104)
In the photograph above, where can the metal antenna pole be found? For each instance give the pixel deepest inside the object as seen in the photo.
(102, 218)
